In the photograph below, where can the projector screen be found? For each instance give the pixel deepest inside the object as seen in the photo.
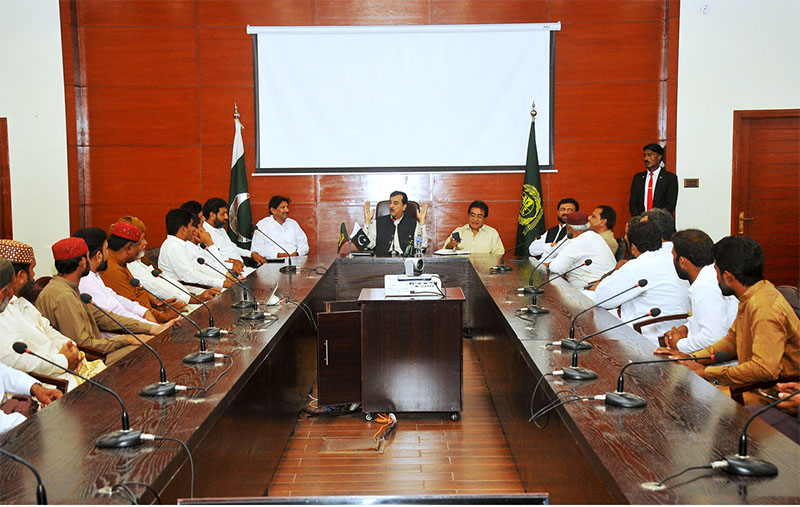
(426, 98)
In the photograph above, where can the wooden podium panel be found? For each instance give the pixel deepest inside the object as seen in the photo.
(411, 352)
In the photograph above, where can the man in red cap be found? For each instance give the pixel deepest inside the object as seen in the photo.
(60, 303)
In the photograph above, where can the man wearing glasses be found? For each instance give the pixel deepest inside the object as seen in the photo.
(476, 236)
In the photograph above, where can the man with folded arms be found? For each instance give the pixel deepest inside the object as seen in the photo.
(60, 303)
(765, 337)
(16, 382)
(664, 289)
(215, 212)
(476, 237)
(176, 259)
(712, 313)
(585, 244)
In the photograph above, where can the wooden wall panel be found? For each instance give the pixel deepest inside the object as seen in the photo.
(158, 80)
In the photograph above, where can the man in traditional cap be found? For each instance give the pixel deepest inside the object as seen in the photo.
(654, 187)
(21, 321)
(585, 244)
(124, 247)
(60, 303)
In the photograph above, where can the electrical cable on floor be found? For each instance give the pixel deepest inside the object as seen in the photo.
(332, 411)
(388, 424)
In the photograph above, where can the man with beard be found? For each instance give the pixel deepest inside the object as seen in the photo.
(394, 234)
(712, 313)
(93, 284)
(215, 212)
(543, 245)
(21, 321)
(654, 187)
(60, 303)
(765, 337)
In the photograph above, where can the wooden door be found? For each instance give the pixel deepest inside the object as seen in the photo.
(5, 183)
(766, 188)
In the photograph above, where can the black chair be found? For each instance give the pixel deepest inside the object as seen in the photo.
(382, 209)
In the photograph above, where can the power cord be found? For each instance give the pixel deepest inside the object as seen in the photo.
(136, 483)
(147, 436)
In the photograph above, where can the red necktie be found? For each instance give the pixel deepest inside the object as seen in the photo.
(649, 192)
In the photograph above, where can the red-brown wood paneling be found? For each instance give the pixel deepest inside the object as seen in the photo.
(151, 84)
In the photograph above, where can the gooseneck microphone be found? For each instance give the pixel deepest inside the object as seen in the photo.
(571, 343)
(620, 398)
(530, 289)
(254, 314)
(201, 356)
(535, 308)
(575, 372)
(741, 463)
(126, 437)
(157, 274)
(41, 494)
(244, 303)
(209, 332)
(160, 388)
(289, 268)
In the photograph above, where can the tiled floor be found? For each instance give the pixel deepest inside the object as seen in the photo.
(425, 455)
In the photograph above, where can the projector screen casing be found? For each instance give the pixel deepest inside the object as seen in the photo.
(429, 98)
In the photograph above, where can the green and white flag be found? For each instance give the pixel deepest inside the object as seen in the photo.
(530, 222)
(240, 225)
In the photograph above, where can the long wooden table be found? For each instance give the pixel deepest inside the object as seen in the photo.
(237, 431)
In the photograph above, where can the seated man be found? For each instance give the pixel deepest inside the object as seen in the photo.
(142, 268)
(765, 336)
(602, 221)
(60, 303)
(476, 237)
(16, 382)
(712, 313)
(585, 244)
(123, 248)
(103, 296)
(543, 245)
(20, 321)
(664, 289)
(178, 262)
(394, 234)
(194, 208)
(282, 229)
(211, 253)
(666, 226)
(215, 212)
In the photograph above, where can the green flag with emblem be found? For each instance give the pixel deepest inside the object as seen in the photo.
(530, 222)
(240, 224)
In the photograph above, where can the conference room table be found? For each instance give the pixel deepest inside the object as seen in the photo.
(583, 452)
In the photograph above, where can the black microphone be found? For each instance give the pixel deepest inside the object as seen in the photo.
(530, 289)
(203, 355)
(126, 437)
(289, 268)
(741, 463)
(502, 268)
(160, 388)
(620, 398)
(41, 494)
(157, 274)
(209, 332)
(575, 372)
(571, 343)
(535, 308)
(253, 314)
(244, 303)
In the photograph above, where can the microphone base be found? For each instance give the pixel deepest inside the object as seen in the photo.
(209, 332)
(502, 268)
(158, 389)
(201, 356)
(578, 373)
(243, 305)
(119, 439)
(533, 290)
(536, 309)
(291, 268)
(625, 400)
(571, 344)
(254, 315)
(752, 467)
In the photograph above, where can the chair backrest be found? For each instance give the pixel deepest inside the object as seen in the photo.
(38, 285)
(382, 209)
(151, 254)
(792, 296)
(637, 326)
(622, 249)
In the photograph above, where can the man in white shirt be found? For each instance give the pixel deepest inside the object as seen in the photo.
(395, 233)
(93, 284)
(282, 229)
(585, 244)
(545, 244)
(664, 289)
(16, 382)
(712, 312)
(215, 212)
(666, 227)
(177, 261)
(476, 236)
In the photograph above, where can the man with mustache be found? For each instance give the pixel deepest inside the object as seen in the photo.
(655, 187)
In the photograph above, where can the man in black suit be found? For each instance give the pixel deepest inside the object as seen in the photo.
(394, 234)
(545, 244)
(655, 187)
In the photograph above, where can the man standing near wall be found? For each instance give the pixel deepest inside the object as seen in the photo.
(654, 187)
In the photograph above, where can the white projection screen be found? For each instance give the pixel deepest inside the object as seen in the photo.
(431, 98)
